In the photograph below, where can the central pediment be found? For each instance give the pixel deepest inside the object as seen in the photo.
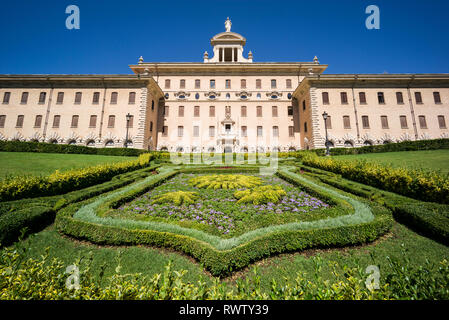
(228, 37)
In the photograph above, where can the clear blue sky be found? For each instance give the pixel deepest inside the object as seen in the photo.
(113, 34)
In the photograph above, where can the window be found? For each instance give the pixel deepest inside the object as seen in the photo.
(291, 132)
(131, 123)
(96, 98)
(180, 131)
(167, 83)
(259, 111)
(325, 96)
(211, 131)
(274, 111)
(74, 121)
(19, 123)
(78, 96)
(60, 98)
(197, 83)
(24, 99)
(403, 121)
(196, 131)
(211, 111)
(212, 84)
(93, 121)
(436, 97)
(288, 83)
(290, 111)
(196, 111)
(348, 144)
(344, 97)
(243, 84)
(181, 111)
(2, 120)
(418, 97)
(365, 122)
(164, 131)
(182, 84)
(305, 126)
(441, 122)
(197, 96)
(381, 98)
(244, 131)
(132, 98)
(166, 109)
(384, 122)
(399, 98)
(114, 96)
(362, 97)
(228, 83)
(152, 105)
(258, 83)
(304, 105)
(273, 83)
(346, 122)
(111, 122)
(6, 97)
(422, 122)
(56, 121)
(38, 121)
(259, 131)
(42, 97)
(275, 131)
(329, 122)
(243, 111)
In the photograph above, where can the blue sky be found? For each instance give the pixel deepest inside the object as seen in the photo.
(113, 34)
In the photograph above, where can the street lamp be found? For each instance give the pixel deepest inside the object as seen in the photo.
(325, 115)
(128, 118)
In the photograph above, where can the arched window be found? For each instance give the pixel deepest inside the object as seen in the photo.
(211, 149)
(164, 149)
(72, 142)
(387, 141)
(109, 143)
(54, 141)
(330, 144)
(90, 143)
(197, 96)
(367, 143)
(179, 149)
(244, 149)
(349, 144)
(291, 149)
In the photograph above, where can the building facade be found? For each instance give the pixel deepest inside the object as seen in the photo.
(227, 103)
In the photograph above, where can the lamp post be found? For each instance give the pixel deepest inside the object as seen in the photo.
(128, 118)
(325, 115)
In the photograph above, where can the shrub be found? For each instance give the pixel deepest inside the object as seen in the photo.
(222, 256)
(431, 219)
(228, 181)
(177, 198)
(63, 182)
(260, 195)
(45, 279)
(37, 213)
(425, 186)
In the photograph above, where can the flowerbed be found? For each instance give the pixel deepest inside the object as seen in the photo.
(216, 210)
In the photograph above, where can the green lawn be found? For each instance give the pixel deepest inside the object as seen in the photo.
(401, 243)
(24, 163)
(437, 160)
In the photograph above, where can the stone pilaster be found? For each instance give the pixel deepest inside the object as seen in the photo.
(141, 139)
(316, 140)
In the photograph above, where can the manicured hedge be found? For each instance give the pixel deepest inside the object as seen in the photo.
(35, 214)
(417, 184)
(431, 219)
(63, 182)
(223, 262)
(23, 146)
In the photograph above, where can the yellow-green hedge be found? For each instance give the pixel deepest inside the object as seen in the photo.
(418, 184)
(63, 182)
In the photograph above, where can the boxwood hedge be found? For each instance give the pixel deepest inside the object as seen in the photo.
(229, 254)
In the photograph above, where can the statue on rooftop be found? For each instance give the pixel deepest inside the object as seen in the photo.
(228, 25)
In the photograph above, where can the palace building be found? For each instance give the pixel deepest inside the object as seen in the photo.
(227, 103)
